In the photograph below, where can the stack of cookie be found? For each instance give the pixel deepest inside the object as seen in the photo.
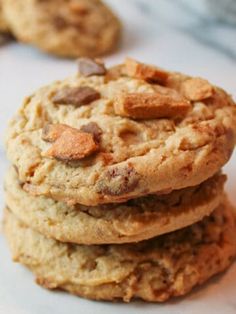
(116, 190)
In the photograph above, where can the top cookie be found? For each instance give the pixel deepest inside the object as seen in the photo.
(67, 28)
(111, 135)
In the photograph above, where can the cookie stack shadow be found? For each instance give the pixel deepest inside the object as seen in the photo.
(116, 189)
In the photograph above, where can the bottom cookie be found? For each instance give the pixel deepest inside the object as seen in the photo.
(153, 270)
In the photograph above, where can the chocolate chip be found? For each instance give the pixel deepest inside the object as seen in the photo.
(77, 96)
(93, 129)
(118, 181)
(88, 67)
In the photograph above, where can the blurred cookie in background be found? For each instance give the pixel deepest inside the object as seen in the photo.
(3, 23)
(65, 28)
(5, 35)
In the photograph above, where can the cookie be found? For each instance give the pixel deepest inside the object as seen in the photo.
(132, 221)
(65, 28)
(153, 270)
(109, 135)
(3, 23)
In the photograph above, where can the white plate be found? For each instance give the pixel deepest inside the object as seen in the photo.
(161, 41)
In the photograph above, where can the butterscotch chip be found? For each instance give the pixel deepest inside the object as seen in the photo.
(93, 129)
(51, 132)
(150, 106)
(197, 89)
(145, 72)
(72, 145)
(77, 96)
(88, 67)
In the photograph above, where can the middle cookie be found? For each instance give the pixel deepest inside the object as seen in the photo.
(133, 221)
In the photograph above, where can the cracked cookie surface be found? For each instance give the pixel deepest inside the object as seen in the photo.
(153, 270)
(134, 156)
(133, 221)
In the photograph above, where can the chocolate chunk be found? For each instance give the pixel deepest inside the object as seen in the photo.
(93, 129)
(89, 67)
(77, 96)
(118, 181)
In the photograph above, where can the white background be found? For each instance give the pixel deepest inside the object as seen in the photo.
(178, 35)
